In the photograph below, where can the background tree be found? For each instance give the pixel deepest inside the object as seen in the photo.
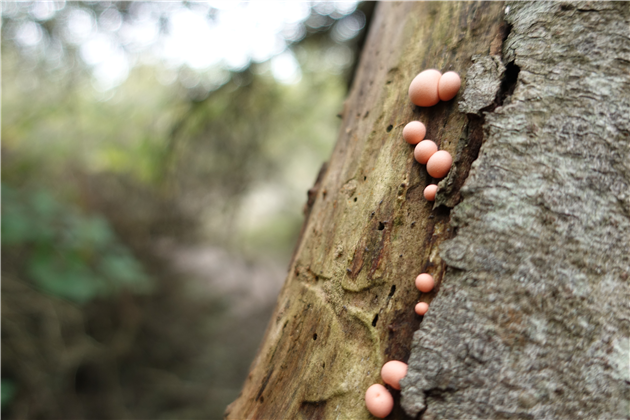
(528, 238)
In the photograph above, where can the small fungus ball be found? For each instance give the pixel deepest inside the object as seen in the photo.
(425, 282)
(449, 85)
(424, 150)
(392, 372)
(379, 401)
(430, 191)
(422, 308)
(423, 90)
(439, 164)
(414, 132)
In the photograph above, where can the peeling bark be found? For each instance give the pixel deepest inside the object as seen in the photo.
(542, 223)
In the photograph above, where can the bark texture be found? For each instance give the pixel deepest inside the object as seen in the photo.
(347, 304)
(532, 320)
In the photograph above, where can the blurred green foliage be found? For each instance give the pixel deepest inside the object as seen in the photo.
(93, 182)
(203, 159)
(67, 254)
(248, 153)
(53, 120)
(7, 391)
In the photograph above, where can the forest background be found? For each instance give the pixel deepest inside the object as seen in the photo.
(155, 160)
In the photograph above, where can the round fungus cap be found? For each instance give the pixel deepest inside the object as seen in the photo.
(379, 401)
(422, 308)
(392, 372)
(425, 282)
(424, 150)
(449, 85)
(430, 191)
(414, 132)
(423, 90)
(439, 164)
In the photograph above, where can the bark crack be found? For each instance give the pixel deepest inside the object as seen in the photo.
(490, 84)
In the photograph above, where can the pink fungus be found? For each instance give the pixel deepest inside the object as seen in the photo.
(414, 132)
(424, 150)
(379, 401)
(392, 372)
(425, 282)
(439, 164)
(449, 85)
(430, 191)
(422, 308)
(423, 90)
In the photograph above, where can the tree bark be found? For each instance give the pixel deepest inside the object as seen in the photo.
(530, 319)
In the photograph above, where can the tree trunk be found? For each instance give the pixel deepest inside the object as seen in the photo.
(530, 316)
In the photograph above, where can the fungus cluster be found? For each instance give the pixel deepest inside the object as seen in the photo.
(426, 89)
(378, 400)
(424, 283)
(430, 87)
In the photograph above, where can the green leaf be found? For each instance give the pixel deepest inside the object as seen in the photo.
(124, 271)
(69, 255)
(16, 228)
(93, 232)
(68, 278)
(27, 219)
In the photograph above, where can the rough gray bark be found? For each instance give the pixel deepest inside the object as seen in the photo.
(532, 318)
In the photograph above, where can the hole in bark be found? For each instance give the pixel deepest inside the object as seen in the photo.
(506, 32)
(312, 410)
(315, 336)
(438, 394)
(259, 397)
(262, 399)
(381, 226)
(389, 128)
(375, 320)
(355, 199)
(508, 84)
(392, 291)
(364, 178)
